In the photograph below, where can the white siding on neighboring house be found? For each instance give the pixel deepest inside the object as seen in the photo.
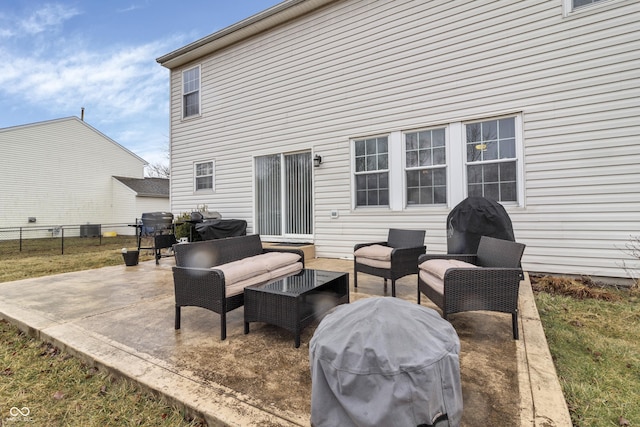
(60, 172)
(360, 68)
(132, 205)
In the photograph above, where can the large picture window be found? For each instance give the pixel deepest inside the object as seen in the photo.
(191, 92)
(491, 159)
(426, 167)
(372, 171)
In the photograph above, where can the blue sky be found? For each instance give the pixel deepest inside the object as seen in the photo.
(57, 57)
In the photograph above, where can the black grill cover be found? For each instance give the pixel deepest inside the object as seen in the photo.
(221, 228)
(473, 218)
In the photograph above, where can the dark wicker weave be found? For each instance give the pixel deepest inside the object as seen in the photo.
(494, 287)
(408, 246)
(197, 284)
(295, 301)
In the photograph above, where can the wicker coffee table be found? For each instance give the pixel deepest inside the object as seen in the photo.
(295, 301)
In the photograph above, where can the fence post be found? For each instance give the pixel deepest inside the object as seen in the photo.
(62, 239)
(20, 239)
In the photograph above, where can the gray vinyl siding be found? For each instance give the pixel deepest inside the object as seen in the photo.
(357, 68)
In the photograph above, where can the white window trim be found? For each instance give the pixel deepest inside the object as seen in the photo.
(447, 165)
(183, 94)
(519, 156)
(392, 165)
(568, 10)
(213, 177)
(456, 164)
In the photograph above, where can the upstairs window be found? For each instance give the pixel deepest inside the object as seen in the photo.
(191, 92)
(580, 3)
(571, 6)
(426, 167)
(372, 171)
(203, 176)
(491, 159)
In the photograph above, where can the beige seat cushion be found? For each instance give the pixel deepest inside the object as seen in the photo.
(438, 267)
(286, 270)
(242, 269)
(377, 252)
(238, 287)
(274, 260)
(376, 263)
(255, 266)
(432, 271)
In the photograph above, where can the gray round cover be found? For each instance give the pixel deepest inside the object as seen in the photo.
(384, 362)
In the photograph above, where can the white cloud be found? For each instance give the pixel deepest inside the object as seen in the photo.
(47, 17)
(124, 91)
(123, 81)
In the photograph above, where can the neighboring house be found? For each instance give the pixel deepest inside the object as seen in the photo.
(412, 106)
(65, 172)
(142, 195)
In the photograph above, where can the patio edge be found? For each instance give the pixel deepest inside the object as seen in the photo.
(543, 403)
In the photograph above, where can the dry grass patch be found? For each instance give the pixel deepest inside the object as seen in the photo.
(51, 388)
(42, 257)
(593, 333)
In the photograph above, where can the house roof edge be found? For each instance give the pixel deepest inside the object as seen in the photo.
(262, 21)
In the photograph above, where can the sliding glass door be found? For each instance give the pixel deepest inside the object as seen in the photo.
(283, 195)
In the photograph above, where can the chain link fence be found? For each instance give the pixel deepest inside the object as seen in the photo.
(61, 238)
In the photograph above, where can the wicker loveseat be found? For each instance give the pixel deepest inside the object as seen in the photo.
(212, 274)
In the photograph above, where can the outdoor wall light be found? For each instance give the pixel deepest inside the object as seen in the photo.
(317, 160)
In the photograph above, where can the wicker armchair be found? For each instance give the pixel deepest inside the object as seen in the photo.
(393, 259)
(488, 280)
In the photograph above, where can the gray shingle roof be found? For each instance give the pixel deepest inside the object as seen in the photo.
(147, 187)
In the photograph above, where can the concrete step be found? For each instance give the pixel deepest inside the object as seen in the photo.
(309, 249)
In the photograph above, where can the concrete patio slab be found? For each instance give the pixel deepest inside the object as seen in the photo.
(122, 319)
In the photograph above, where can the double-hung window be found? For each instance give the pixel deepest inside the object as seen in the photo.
(203, 173)
(439, 166)
(191, 92)
(372, 171)
(426, 167)
(491, 159)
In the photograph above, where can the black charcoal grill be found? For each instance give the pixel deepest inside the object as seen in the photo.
(158, 226)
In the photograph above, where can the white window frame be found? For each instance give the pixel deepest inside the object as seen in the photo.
(444, 166)
(515, 159)
(196, 176)
(455, 134)
(390, 166)
(568, 9)
(186, 93)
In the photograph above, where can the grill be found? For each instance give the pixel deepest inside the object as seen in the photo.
(473, 218)
(154, 222)
(158, 225)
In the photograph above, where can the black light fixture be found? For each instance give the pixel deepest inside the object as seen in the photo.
(317, 160)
